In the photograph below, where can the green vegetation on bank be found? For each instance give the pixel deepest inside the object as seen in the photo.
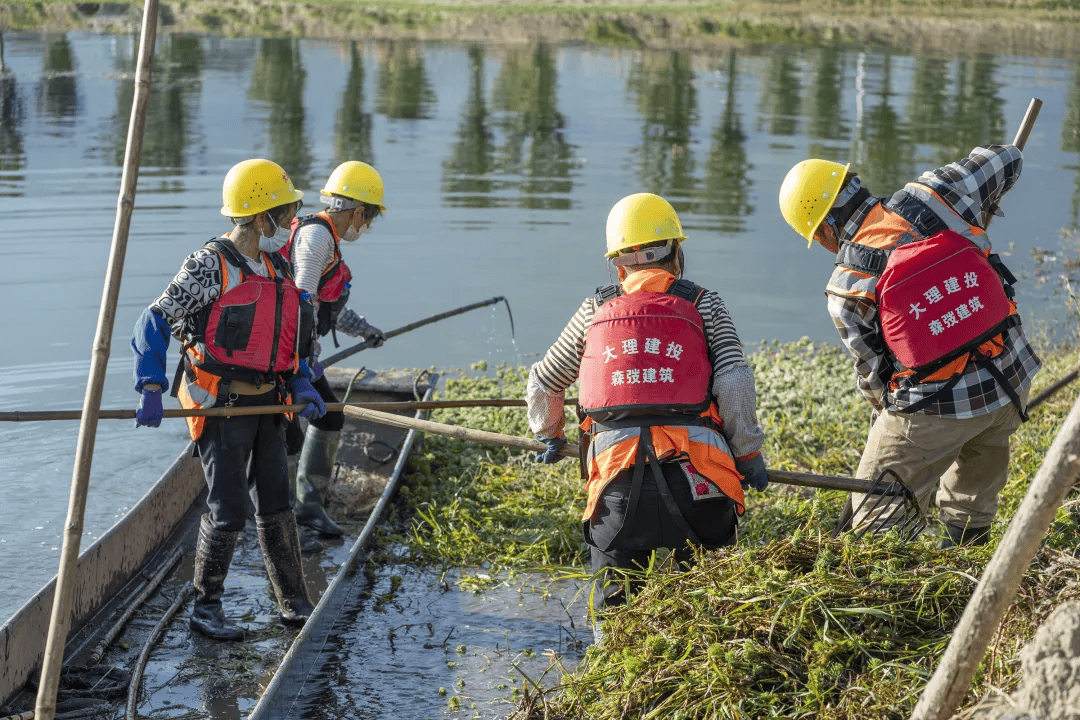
(1043, 25)
(790, 623)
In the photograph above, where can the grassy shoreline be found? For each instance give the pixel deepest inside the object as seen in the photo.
(1043, 27)
(790, 623)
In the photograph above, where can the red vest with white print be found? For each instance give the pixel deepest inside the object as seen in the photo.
(645, 355)
(938, 297)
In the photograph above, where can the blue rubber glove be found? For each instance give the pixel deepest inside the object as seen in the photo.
(150, 411)
(755, 476)
(316, 371)
(302, 392)
(551, 455)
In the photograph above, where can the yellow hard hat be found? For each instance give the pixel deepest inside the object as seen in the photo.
(254, 186)
(356, 180)
(640, 219)
(808, 193)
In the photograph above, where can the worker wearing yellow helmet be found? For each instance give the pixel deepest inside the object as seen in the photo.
(667, 397)
(245, 329)
(353, 195)
(927, 312)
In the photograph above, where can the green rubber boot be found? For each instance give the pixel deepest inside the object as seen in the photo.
(313, 473)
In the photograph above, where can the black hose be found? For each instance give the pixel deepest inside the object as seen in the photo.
(155, 635)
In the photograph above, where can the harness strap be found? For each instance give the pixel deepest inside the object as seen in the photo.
(925, 221)
(861, 258)
(607, 292)
(646, 421)
(226, 248)
(636, 477)
(647, 456)
(988, 364)
(669, 501)
(689, 291)
(949, 385)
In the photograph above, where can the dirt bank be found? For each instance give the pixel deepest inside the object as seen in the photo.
(1023, 27)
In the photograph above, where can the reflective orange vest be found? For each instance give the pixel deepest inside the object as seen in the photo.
(701, 444)
(202, 370)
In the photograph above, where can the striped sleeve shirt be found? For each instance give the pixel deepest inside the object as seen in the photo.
(973, 187)
(732, 379)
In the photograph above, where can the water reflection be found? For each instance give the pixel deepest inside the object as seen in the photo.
(726, 195)
(663, 85)
(781, 95)
(278, 81)
(405, 92)
(352, 130)
(535, 145)
(888, 162)
(466, 173)
(174, 96)
(58, 93)
(976, 111)
(826, 115)
(12, 115)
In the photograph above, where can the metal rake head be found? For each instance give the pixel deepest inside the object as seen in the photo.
(888, 504)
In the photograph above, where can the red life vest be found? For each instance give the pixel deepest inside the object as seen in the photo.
(333, 290)
(939, 298)
(257, 328)
(645, 355)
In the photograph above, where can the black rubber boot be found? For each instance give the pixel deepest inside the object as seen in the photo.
(281, 552)
(213, 555)
(313, 475)
(958, 535)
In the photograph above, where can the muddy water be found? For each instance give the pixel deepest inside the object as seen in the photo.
(415, 645)
(500, 164)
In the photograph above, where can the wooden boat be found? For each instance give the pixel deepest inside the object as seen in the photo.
(144, 560)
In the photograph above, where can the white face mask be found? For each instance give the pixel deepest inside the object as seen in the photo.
(352, 233)
(276, 241)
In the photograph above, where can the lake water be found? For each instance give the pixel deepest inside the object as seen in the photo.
(500, 165)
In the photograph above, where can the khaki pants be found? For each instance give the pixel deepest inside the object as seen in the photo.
(970, 457)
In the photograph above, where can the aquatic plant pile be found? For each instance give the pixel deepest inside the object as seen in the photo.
(478, 506)
(791, 622)
(806, 627)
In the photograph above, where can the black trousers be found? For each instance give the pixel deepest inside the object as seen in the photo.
(244, 457)
(713, 520)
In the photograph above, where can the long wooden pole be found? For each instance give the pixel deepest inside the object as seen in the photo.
(45, 705)
(339, 356)
(41, 415)
(514, 442)
(996, 589)
(1058, 473)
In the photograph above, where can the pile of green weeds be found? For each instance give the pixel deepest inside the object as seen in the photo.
(791, 622)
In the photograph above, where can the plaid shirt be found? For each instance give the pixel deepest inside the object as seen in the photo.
(972, 187)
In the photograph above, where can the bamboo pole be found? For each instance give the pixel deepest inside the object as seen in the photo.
(514, 442)
(1058, 473)
(45, 704)
(339, 356)
(997, 587)
(42, 415)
